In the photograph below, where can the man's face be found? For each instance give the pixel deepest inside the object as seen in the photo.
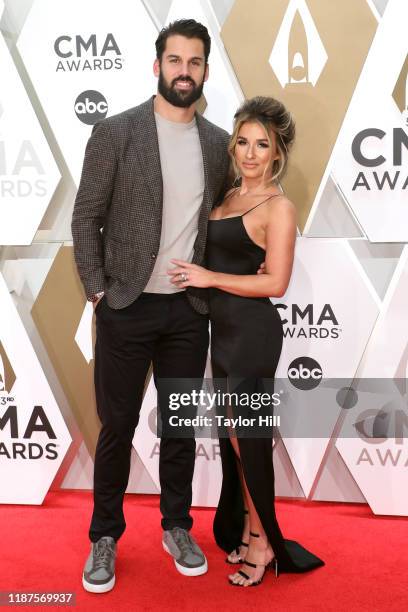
(182, 70)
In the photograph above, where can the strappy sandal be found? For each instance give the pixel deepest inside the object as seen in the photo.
(237, 551)
(273, 563)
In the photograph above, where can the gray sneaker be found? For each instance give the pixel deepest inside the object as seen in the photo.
(188, 557)
(99, 570)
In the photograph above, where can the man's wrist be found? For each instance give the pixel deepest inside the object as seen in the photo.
(95, 296)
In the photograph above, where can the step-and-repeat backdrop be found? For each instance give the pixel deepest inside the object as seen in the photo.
(341, 67)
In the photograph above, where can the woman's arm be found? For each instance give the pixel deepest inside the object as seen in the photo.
(280, 233)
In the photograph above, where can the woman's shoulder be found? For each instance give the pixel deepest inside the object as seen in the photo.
(282, 202)
(282, 206)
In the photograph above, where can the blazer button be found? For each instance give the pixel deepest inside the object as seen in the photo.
(153, 255)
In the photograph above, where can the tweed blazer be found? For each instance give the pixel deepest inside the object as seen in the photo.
(116, 223)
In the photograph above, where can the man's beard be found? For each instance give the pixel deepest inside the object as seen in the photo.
(178, 97)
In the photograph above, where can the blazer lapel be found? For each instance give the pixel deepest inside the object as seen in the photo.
(207, 152)
(145, 146)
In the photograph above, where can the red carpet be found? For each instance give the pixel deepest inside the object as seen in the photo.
(44, 548)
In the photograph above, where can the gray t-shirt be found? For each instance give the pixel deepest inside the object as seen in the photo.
(183, 188)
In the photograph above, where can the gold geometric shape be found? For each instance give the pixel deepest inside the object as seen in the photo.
(7, 375)
(57, 313)
(400, 93)
(318, 109)
(201, 105)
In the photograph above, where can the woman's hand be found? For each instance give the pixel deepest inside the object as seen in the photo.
(190, 275)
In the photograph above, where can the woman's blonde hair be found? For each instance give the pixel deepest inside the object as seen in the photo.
(273, 117)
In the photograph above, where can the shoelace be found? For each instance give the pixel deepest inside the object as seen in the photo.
(102, 554)
(183, 539)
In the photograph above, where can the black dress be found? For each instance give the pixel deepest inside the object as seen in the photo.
(246, 342)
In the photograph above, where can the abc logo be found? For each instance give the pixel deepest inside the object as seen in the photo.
(91, 106)
(305, 373)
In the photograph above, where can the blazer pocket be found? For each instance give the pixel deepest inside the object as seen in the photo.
(120, 259)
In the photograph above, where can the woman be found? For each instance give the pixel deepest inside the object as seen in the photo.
(255, 222)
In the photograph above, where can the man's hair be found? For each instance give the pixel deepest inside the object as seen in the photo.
(184, 27)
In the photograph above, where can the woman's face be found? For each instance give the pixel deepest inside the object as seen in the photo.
(252, 152)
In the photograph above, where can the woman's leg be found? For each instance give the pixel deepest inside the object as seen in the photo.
(259, 551)
(239, 553)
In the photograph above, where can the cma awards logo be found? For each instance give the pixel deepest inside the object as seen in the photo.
(19, 430)
(376, 428)
(91, 106)
(298, 55)
(373, 147)
(93, 52)
(307, 321)
(18, 444)
(305, 373)
(20, 171)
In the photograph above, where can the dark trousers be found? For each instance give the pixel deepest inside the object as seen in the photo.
(166, 331)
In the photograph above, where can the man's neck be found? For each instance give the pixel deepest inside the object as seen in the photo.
(173, 113)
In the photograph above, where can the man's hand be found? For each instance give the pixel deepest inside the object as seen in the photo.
(262, 268)
(94, 304)
(96, 298)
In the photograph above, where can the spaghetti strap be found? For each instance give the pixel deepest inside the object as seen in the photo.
(231, 193)
(263, 202)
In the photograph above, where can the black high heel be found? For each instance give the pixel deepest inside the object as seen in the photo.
(273, 563)
(245, 575)
(236, 550)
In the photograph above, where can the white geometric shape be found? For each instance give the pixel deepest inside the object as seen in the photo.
(329, 322)
(374, 446)
(377, 194)
(158, 10)
(380, 468)
(306, 456)
(333, 218)
(83, 336)
(377, 6)
(87, 46)
(222, 91)
(389, 337)
(80, 472)
(222, 10)
(33, 437)
(26, 273)
(28, 172)
(286, 482)
(279, 57)
(380, 471)
(339, 306)
(139, 478)
(335, 481)
(379, 261)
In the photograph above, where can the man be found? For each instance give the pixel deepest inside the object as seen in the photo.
(149, 180)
